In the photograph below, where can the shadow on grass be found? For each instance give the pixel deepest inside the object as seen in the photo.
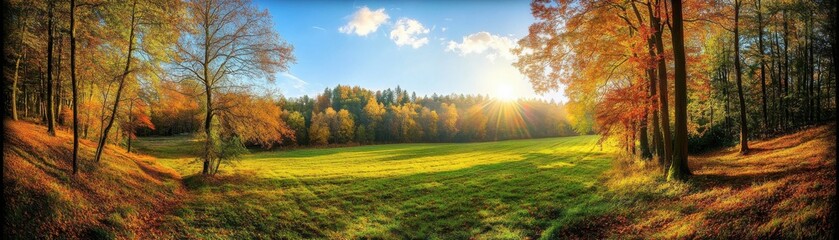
(510, 199)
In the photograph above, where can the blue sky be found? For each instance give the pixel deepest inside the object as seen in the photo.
(427, 47)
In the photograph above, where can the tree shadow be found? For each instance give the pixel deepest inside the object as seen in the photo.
(458, 203)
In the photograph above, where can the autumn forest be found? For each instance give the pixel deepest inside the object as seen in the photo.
(240, 119)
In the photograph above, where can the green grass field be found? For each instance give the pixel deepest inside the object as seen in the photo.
(493, 190)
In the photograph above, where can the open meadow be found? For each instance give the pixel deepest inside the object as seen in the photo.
(509, 189)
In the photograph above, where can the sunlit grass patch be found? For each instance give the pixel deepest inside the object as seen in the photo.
(493, 190)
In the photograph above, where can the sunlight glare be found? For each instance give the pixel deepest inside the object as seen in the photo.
(504, 92)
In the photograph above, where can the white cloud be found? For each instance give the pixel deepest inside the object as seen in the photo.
(364, 21)
(492, 46)
(319, 28)
(407, 31)
(443, 29)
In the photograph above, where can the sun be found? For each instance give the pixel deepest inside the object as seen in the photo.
(505, 93)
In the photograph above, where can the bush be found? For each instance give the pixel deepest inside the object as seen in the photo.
(712, 138)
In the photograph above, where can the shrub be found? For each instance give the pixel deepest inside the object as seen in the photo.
(713, 137)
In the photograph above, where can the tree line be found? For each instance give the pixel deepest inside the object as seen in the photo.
(744, 68)
(345, 114)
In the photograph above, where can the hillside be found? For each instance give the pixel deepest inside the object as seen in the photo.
(782, 189)
(124, 196)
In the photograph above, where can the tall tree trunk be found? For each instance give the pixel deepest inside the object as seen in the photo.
(208, 120)
(25, 100)
(727, 93)
(679, 168)
(818, 107)
(657, 142)
(784, 102)
(835, 47)
(73, 83)
(762, 61)
(20, 56)
(131, 121)
(42, 96)
(662, 95)
(744, 127)
(775, 75)
(88, 114)
(58, 84)
(14, 85)
(632, 138)
(208, 144)
(49, 96)
(811, 66)
(643, 138)
(104, 138)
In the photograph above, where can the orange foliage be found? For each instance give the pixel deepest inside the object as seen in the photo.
(137, 117)
(176, 110)
(620, 111)
(256, 120)
(126, 194)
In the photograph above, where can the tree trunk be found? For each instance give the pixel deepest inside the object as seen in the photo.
(642, 135)
(662, 95)
(42, 96)
(775, 76)
(679, 169)
(130, 121)
(744, 127)
(727, 94)
(632, 139)
(643, 139)
(208, 83)
(657, 143)
(58, 85)
(835, 47)
(785, 83)
(811, 66)
(762, 62)
(25, 101)
(104, 138)
(14, 85)
(208, 144)
(818, 107)
(75, 90)
(49, 96)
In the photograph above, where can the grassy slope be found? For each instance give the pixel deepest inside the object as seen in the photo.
(122, 196)
(782, 189)
(509, 189)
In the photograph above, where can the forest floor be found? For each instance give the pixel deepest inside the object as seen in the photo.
(783, 188)
(125, 195)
